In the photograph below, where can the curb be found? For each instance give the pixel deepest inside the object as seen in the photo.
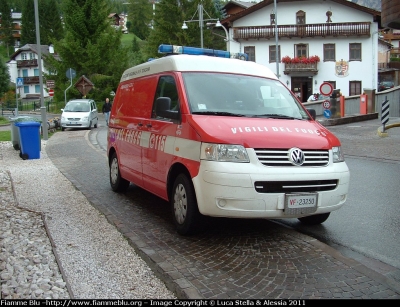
(348, 119)
(384, 133)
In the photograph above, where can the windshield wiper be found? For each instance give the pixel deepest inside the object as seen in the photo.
(278, 116)
(217, 113)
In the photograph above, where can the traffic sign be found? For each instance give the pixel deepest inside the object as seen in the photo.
(326, 104)
(326, 89)
(327, 113)
(20, 82)
(50, 83)
(51, 92)
(70, 73)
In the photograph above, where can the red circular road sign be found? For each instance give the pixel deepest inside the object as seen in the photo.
(51, 92)
(326, 89)
(326, 104)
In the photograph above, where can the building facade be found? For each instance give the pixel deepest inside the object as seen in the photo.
(317, 41)
(24, 63)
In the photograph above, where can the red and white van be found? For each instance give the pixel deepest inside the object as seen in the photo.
(222, 137)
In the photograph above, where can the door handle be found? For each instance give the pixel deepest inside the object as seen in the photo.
(149, 126)
(140, 124)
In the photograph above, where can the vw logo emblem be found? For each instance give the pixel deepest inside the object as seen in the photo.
(296, 156)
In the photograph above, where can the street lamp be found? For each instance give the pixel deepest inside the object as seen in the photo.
(201, 21)
(218, 24)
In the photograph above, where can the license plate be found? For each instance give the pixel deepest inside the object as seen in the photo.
(296, 201)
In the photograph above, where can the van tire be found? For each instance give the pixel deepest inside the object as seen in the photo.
(185, 211)
(314, 219)
(118, 184)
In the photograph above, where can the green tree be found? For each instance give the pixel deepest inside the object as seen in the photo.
(168, 20)
(17, 5)
(6, 28)
(50, 25)
(91, 46)
(4, 77)
(167, 26)
(50, 22)
(28, 27)
(140, 13)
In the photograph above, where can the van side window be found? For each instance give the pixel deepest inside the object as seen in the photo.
(166, 88)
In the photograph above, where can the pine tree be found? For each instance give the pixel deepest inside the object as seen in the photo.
(4, 77)
(91, 46)
(50, 22)
(28, 26)
(140, 14)
(167, 26)
(168, 20)
(6, 28)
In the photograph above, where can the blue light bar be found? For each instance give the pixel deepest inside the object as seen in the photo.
(174, 49)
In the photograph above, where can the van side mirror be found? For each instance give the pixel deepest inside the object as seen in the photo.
(163, 108)
(312, 113)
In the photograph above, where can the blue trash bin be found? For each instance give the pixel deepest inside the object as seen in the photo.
(29, 135)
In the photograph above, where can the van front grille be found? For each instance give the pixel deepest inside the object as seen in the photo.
(280, 157)
(295, 186)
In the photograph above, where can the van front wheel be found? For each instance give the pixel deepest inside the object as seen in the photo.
(185, 212)
(118, 184)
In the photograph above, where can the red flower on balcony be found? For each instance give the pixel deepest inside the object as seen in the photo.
(286, 59)
(304, 60)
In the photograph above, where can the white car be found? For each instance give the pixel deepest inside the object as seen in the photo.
(79, 113)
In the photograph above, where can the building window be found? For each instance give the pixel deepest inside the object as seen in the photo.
(300, 18)
(272, 53)
(37, 89)
(24, 73)
(36, 72)
(355, 88)
(355, 52)
(26, 89)
(31, 56)
(251, 52)
(329, 52)
(301, 50)
(24, 56)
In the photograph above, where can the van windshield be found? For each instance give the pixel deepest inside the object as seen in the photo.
(238, 95)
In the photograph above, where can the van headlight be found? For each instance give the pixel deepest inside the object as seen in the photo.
(337, 154)
(85, 118)
(224, 153)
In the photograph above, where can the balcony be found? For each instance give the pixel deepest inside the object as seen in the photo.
(302, 69)
(27, 63)
(347, 29)
(31, 80)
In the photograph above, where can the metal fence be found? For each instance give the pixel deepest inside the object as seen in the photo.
(27, 106)
(352, 103)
